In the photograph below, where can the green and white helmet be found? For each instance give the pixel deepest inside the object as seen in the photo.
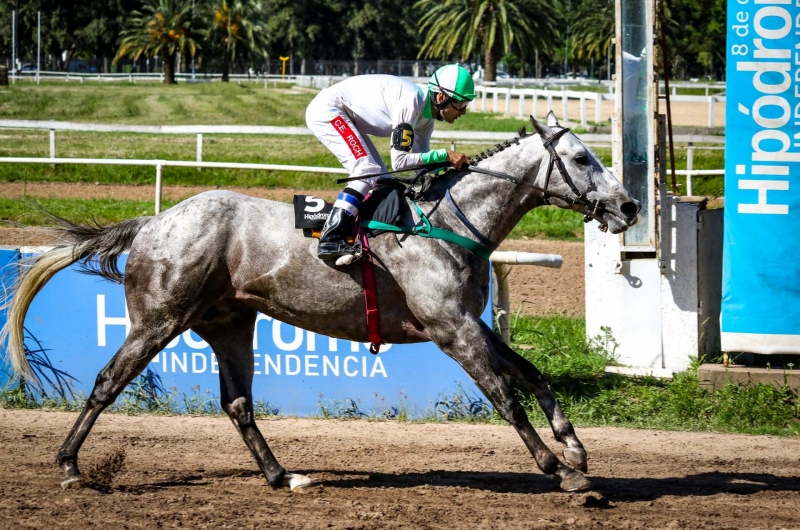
(454, 81)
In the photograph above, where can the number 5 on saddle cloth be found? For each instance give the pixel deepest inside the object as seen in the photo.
(386, 204)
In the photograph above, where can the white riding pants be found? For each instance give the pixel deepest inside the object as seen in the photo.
(331, 124)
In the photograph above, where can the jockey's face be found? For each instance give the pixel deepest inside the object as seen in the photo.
(453, 110)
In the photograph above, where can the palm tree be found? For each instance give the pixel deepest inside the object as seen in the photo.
(237, 32)
(593, 29)
(163, 28)
(462, 28)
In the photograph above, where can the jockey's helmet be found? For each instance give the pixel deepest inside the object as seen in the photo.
(454, 81)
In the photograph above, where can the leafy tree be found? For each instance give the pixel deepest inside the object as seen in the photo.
(462, 28)
(237, 32)
(163, 28)
(593, 29)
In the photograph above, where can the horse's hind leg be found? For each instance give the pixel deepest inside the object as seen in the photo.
(230, 335)
(514, 365)
(139, 348)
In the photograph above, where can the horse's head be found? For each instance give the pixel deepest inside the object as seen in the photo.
(574, 172)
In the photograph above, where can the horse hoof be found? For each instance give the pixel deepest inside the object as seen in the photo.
(576, 457)
(575, 482)
(297, 483)
(346, 260)
(71, 483)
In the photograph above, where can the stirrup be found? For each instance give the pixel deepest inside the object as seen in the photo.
(331, 250)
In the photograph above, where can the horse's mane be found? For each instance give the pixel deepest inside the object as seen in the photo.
(483, 155)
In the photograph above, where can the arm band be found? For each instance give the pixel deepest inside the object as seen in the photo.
(434, 156)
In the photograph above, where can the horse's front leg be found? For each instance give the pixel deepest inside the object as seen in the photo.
(516, 366)
(471, 344)
(231, 338)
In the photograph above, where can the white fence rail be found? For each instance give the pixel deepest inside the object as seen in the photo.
(200, 130)
(549, 96)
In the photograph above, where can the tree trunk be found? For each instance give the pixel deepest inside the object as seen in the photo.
(169, 69)
(226, 69)
(490, 65)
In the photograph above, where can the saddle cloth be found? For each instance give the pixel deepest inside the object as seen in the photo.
(385, 204)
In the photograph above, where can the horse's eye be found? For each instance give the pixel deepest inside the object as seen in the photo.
(582, 159)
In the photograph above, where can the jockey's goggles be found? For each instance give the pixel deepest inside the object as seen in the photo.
(459, 105)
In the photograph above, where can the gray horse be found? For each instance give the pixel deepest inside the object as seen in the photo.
(213, 261)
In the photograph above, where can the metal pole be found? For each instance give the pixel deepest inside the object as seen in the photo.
(158, 188)
(503, 300)
(13, 47)
(38, 44)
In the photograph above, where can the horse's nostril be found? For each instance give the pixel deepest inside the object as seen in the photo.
(629, 209)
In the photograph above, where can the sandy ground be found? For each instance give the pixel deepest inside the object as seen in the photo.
(197, 473)
(534, 290)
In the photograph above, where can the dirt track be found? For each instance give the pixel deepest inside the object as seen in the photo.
(197, 473)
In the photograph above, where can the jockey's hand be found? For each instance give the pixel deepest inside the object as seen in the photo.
(459, 160)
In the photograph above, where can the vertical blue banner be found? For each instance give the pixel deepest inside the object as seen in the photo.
(761, 269)
(77, 322)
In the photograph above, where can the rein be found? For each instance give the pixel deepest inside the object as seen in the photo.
(484, 247)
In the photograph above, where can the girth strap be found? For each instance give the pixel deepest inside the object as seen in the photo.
(370, 296)
(426, 230)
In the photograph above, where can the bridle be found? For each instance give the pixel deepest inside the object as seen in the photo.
(592, 209)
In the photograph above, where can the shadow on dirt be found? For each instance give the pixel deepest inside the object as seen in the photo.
(614, 489)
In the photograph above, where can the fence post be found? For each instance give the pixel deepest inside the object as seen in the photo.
(711, 111)
(564, 103)
(452, 146)
(494, 100)
(549, 102)
(584, 122)
(535, 103)
(199, 148)
(689, 168)
(508, 102)
(52, 145)
(598, 111)
(483, 99)
(521, 104)
(501, 272)
(158, 187)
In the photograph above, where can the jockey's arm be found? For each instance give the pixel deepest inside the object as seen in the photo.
(409, 150)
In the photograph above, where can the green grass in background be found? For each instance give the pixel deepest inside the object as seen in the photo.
(103, 211)
(574, 368)
(155, 104)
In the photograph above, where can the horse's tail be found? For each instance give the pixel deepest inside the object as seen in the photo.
(96, 246)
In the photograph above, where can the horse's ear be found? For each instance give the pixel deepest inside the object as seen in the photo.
(522, 133)
(540, 129)
(552, 121)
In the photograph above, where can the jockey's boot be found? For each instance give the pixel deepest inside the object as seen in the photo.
(332, 242)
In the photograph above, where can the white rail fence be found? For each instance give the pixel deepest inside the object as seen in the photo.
(200, 130)
(548, 97)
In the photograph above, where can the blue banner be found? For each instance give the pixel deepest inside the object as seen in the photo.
(79, 321)
(761, 269)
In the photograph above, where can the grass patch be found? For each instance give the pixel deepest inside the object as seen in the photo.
(574, 368)
(549, 222)
(102, 211)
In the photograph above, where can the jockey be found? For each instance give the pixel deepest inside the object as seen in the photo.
(343, 115)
